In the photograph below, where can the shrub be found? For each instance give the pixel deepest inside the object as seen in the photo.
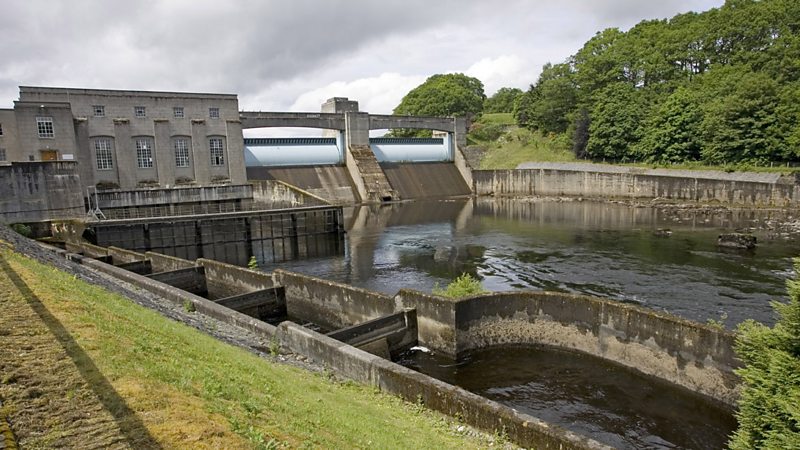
(22, 229)
(769, 407)
(463, 286)
(252, 263)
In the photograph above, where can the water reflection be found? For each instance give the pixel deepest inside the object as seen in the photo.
(603, 249)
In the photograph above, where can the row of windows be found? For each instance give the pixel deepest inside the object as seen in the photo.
(144, 152)
(141, 111)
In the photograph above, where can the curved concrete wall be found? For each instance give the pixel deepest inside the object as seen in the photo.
(689, 354)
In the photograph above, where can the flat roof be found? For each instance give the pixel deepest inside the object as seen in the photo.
(118, 92)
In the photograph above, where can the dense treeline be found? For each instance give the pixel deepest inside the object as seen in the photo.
(721, 86)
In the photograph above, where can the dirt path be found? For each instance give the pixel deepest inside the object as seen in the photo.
(47, 389)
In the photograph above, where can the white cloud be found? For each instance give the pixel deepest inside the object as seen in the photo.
(377, 95)
(502, 71)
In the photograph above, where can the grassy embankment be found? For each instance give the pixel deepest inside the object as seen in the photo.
(190, 390)
(508, 145)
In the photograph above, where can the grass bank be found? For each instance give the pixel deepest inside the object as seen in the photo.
(190, 390)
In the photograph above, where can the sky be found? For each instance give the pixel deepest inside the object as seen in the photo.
(292, 55)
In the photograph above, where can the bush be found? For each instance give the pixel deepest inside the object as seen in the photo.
(769, 407)
(463, 286)
(22, 229)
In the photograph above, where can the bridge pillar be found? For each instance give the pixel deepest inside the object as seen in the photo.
(368, 176)
(459, 146)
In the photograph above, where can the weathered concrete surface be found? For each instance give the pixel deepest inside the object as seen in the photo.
(166, 263)
(331, 183)
(190, 280)
(475, 410)
(436, 319)
(328, 304)
(386, 336)
(226, 280)
(276, 194)
(39, 191)
(426, 180)
(695, 356)
(707, 189)
(266, 304)
(175, 195)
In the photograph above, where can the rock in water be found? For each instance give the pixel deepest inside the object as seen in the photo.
(737, 240)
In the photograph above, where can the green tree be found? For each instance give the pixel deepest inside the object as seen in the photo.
(672, 134)
(548, 104)
(442, 95)
(616, 122)
(502, 101)
(740, 122)
(769, 405)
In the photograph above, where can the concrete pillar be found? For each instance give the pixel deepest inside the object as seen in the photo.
(125, 153)
(164, 154)
(460, 141)
(83, 156)
(356, 128)
(200, 152)
(237, 172)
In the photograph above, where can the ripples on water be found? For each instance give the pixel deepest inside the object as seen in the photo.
(602, 249)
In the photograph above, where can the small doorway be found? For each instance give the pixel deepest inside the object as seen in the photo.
(49, 155)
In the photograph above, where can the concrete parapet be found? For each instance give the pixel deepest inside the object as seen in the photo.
(226, 280)
(329, 304)
(692, 355)
(166, 263)
(475, 410)
(40, 191)
(190, 280)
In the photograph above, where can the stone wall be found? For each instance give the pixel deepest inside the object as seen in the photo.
(694, 186)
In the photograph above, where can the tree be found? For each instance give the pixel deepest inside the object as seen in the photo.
(550, 102)
(502, 101)
(672, 135)
(443, 95)
(769, 405)
(452, 94)
(616, 122)
(740, 121)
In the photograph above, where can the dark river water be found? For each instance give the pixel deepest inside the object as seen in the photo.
(586, 395)
(604, 249)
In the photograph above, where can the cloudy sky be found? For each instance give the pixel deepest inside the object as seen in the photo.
(292, 55)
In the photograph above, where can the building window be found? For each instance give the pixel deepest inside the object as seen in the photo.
(213, 113)
(1, 129)
(217, 152)
(139, 111)
(181, 152)
(103, 154)
(3, 155)
(178, 112)
(99, 110)
(45, 127)
(144, 153)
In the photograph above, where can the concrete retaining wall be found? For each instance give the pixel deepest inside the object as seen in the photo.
(784, 192)
(165, 263)
(39, 191)
(692, 355)
(226, 280)
(175, 195)
(328, 304)
(363, 367)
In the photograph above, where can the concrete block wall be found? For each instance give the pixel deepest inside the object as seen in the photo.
(226, 280)
(40, 191)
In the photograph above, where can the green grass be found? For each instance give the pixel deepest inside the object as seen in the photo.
(498, 119)
(519, 145)
(178, 379)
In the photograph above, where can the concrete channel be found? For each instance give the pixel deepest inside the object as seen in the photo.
(368, 328)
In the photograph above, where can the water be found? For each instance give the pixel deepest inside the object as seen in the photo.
(586, 395)
(608, 250)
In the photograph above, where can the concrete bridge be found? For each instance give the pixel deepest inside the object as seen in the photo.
(375, 169)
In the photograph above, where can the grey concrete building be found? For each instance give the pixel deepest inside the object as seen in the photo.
(128, 139)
